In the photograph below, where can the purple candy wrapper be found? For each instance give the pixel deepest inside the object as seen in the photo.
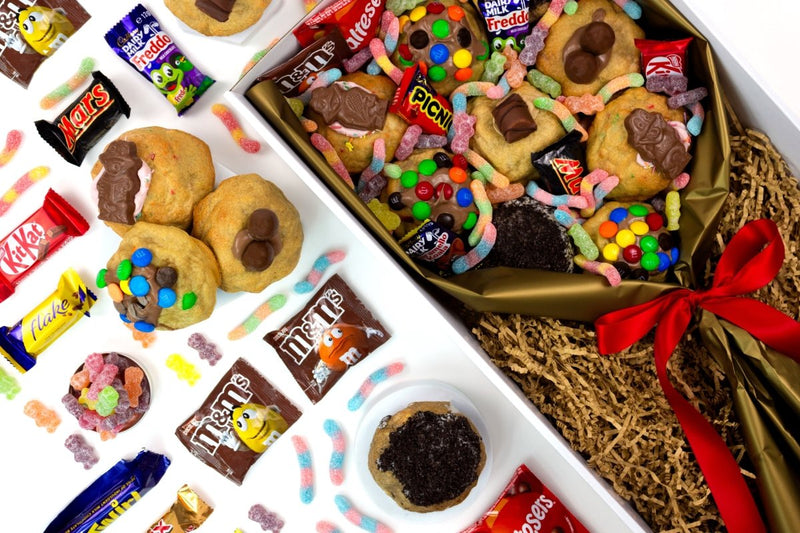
(139, 39)
(506, 22)
(111, 494)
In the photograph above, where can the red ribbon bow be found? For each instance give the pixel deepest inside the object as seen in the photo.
(752, 259)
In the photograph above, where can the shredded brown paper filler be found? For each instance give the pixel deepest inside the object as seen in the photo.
(611, 408)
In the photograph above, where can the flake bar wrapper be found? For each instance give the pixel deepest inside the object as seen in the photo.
(294, 76)
(78, 128)
(239, 421)
(419, 103)
(561, 165)
(187, 513)
(506, 21)
(139, 40)
(526, 505)
(36, 238)
(111, 494)
(25, 340)
(333, 332)
(358, 21)
(28, 40)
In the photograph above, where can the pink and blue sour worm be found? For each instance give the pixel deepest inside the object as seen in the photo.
(324, 79)
(408, 142)
(366, 388)
(594, 188)
(13, 140)
(377, 163)
(695, 124)
(568, 121)
(358, 60)
(327, 527)
(326, 149)
(378, 50)
(477, 254)
(534, 191)
(626, 81)
(355, 517)
(334, 431)
(306, 470)
(631, 8)
(390, 25)
(320, 265)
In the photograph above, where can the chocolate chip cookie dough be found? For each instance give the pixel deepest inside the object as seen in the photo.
(254, 231)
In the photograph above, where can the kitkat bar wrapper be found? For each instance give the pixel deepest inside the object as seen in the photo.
(554, 294)
(113, 493)
(90, 115)
(357, 20)
(527, 506)
(240, 419)
(32, 30)
(36, 238)
(333, 332)
(663, 58)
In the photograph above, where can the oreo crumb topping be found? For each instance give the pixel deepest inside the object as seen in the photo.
(435, 457)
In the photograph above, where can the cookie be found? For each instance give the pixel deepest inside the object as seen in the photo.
(511, 155)
(634, 238)
(160, 277)
(609, 144)
(151, 175)
(528, 236)
(352, 113)
(218, 17)
(448, 37)
(426, 457)
(254, 231)
(586, 50)
(432, 187)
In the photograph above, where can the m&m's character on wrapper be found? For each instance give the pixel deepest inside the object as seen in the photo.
(44, 29)
(258, 426)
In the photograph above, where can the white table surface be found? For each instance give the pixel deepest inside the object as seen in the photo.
(40, 477)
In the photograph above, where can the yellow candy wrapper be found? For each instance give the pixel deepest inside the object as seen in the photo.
(25, 340)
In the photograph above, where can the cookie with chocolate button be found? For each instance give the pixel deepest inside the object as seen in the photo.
(253, 229)
(507, 131)
(586, 50)
(218, 17)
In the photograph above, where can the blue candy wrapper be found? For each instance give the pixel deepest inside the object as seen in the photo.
(506, 21)
(139, 39)
(111, 494)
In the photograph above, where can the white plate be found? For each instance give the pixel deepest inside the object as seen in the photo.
(392, 401)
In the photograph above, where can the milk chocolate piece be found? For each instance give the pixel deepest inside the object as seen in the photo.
(351, 107)
(209, 432)
(588, 50)
(295, 75)
(657, 142)
(513, 118)
(119, 182)
(257, 245)
(334, 306)
(598, 37)
(216, 9)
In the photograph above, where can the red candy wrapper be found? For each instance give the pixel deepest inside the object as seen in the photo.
(527, 506)
(333, 332)
(38, 236)
(32, 30)
(418, 103)
(663, 58)
(358, 20)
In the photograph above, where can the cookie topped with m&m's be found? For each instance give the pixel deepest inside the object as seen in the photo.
(448, 37)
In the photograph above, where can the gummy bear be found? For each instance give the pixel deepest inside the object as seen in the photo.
(81, 450)
(44, 417)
